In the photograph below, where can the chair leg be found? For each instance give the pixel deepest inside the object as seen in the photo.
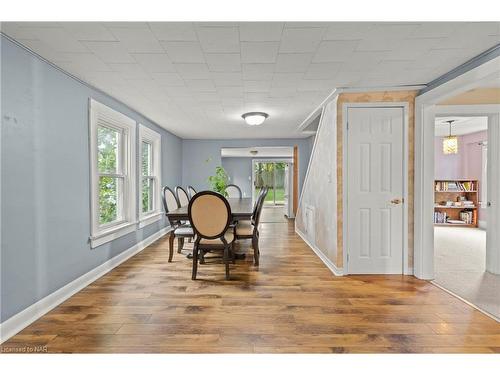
(256, 252)
(233, 258)
(202, 256)
(180, 245)
(226, 260)
(195, 263)
(171, 246)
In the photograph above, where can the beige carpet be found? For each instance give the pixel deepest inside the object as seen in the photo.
(459, 262)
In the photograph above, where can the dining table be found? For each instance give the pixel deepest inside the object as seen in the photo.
(241, 209)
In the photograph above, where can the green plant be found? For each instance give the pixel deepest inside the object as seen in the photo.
(219, 181)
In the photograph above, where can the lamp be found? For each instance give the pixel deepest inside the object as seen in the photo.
(450, 143)
(254, 118)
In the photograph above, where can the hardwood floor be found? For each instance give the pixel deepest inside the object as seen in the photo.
(291, 304)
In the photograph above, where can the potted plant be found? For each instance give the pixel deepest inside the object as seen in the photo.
(219, 181)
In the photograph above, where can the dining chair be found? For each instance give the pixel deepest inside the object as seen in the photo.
(233, 191)
(182, 196)
(250, 229)
(191, 191)
(179, 229)
(210, 215)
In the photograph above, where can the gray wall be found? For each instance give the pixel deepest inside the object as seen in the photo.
(45, 213)
(200, 157)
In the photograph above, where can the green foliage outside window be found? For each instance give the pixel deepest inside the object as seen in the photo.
(108, 141)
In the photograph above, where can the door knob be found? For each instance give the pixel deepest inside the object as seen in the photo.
(396, 201)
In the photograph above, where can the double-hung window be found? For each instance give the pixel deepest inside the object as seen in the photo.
(150, 176)
(113, 167)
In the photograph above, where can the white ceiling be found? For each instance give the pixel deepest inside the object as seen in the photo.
(196, 79)
(462, 125)
(256, 152)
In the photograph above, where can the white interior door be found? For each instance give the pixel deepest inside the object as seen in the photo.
(375, 190)
(493, 192)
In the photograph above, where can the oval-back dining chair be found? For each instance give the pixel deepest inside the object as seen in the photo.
(180, 230)
(233, 191)
(191, 191)
(250, 229)
(182, 196)
(210, 217)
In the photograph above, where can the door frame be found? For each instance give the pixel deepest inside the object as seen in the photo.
(277, 160)
(405, 269)
(425, 112)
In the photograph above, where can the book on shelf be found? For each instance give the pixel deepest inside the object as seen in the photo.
(455, 186)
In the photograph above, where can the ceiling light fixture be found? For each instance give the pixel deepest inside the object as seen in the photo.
(450, 143)
(254, 118)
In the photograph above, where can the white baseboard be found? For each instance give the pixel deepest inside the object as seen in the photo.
(24, 318)
(335, 270)
(482, 224)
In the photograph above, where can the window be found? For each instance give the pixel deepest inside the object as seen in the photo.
(112, 159)
(150, 176)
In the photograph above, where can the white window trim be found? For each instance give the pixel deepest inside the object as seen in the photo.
(484, 176)
(99, 113)
(154, 138)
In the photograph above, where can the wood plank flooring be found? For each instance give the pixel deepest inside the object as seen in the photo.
(290, 304)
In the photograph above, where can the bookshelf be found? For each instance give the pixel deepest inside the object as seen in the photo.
(456, 202)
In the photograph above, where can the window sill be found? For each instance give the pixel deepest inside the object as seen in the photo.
(150, 219)
(112, 233)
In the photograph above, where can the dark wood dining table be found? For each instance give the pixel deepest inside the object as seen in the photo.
(241, 209)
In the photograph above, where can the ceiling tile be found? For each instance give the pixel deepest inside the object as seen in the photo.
(379, 44)
(168, 79)
(348, 30)
(201, 85)
(257, 71)
(223, 62)
(300, 40)
(434, 30)
(227, 79)
(137, 40)
(334, 50)
(256, 86)
(154, 62)
(130, 71)
(192, 71)
(110, 52)
(84, 62)
(174, 31)
(261, 31)
(59, 40)
(293, 62)
(88, 31)
(286, 79)
(219, 39)
(184, 52)
(322, 70)
(259, 52)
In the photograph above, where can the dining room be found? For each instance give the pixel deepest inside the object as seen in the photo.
(226, 187)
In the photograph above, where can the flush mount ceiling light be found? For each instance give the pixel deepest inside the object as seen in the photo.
(254, 118)
(450, 143)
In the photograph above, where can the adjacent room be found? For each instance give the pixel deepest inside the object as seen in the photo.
(250, 187)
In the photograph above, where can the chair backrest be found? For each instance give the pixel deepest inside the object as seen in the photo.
(191, 191)
(256, 204)
(169, 199)
(209, 214)
(182, 196)
(256, 218)
(233, 191)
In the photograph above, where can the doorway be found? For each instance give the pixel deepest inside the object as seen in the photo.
(461, 217)
(277, 176)
(375, 185)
